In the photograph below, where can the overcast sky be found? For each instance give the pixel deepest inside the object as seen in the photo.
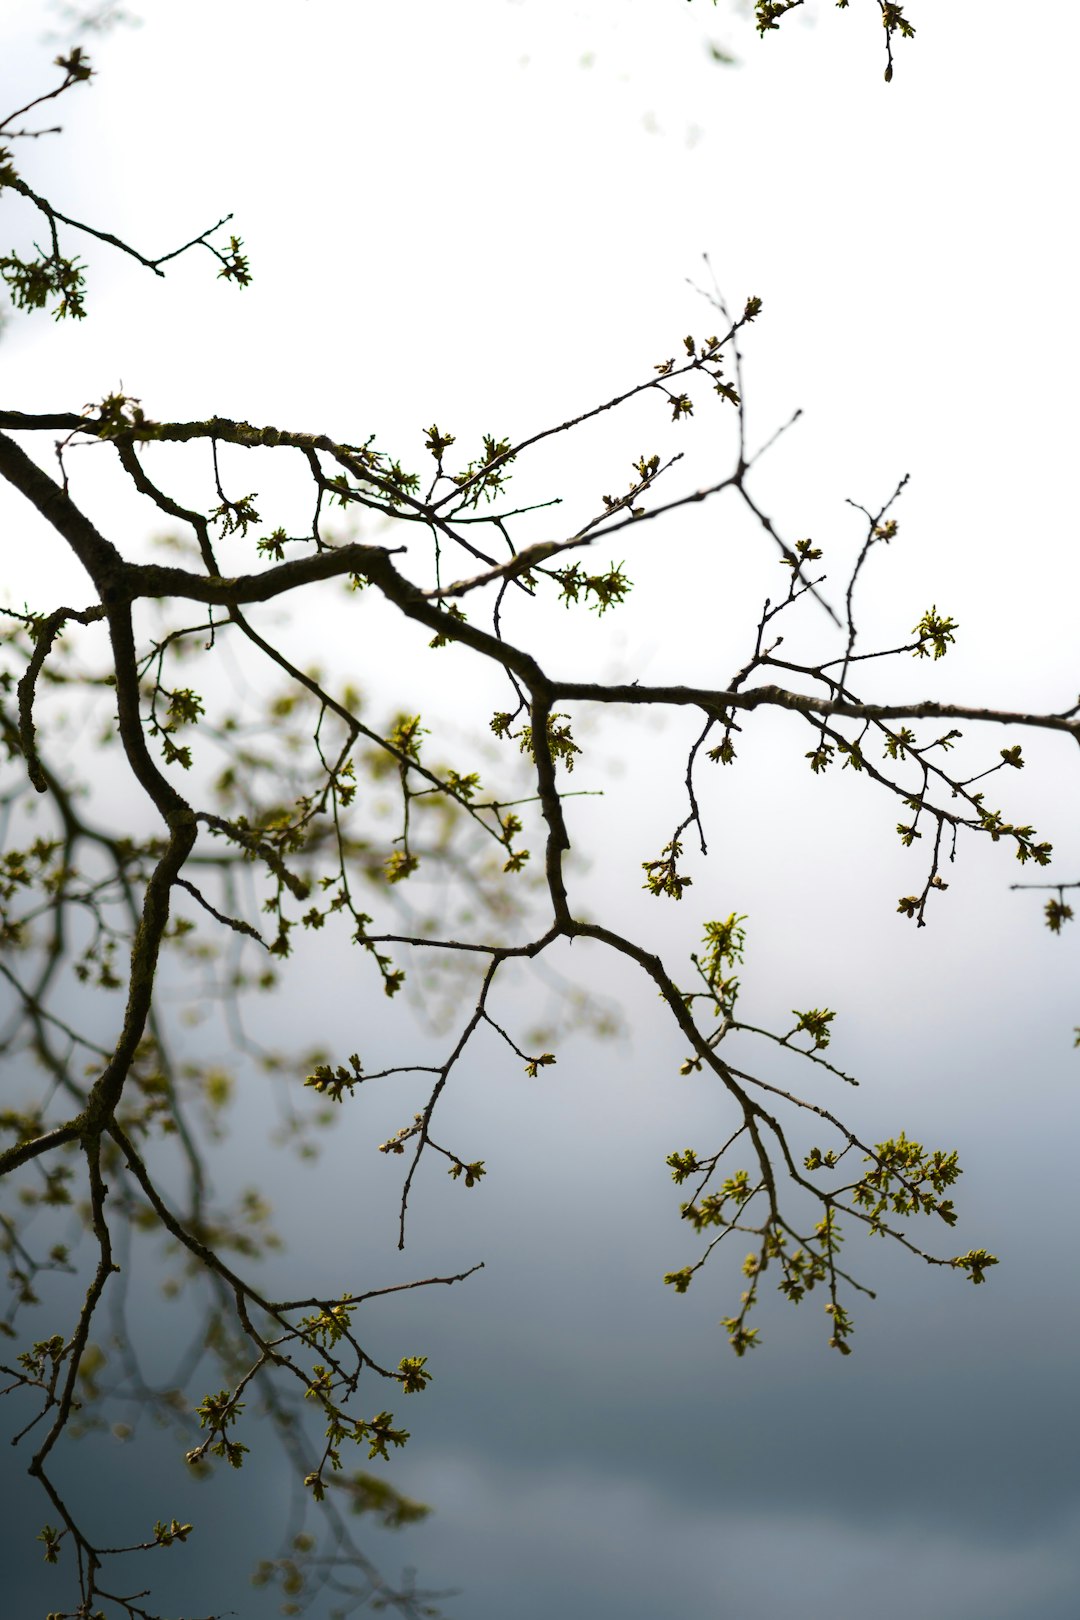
(485, 214)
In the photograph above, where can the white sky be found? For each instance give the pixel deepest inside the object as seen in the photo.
(484, 214)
